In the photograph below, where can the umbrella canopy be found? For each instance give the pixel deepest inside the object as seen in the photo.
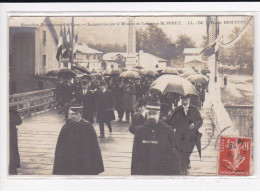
(188, 73)
(169, 70)
(138, 67)
(113, 72)
(173, 83)
(150, 72)
(82, 69)
(52, 72)
(130, 74)
(205, 71)
(198, 78)
(65, 72)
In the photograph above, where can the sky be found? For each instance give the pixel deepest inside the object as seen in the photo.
(110, 30)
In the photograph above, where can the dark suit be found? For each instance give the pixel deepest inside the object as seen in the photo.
(105, 106)
(119, 95)
(186, 138)
(153, 150)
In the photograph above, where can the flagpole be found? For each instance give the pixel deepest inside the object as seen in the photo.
(216, 55)
(72, 35)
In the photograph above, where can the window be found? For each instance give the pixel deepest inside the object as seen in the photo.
(156, 66)
(112, 66)
(44, 60)
(44, 37)
(40, 85)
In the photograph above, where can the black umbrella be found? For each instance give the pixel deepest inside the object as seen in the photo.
(113, 72)
(138, 67)
(82, 69)
(52, 72)
(65, 72)
(205, 71)
(198, 143)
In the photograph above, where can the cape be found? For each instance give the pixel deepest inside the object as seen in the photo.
(77, 151)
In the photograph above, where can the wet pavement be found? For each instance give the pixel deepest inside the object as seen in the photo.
(38, 137)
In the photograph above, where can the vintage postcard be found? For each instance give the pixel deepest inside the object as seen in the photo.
(161, 95)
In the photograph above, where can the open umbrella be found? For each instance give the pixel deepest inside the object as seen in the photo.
(52, 72)
(130, 74)
(205, 71)
(81, 69)
(173, 83)
(150, 72)
(113, 72)
(138, 67)
(198, 78)
(188, 73)
(67, 73)
(169, 70)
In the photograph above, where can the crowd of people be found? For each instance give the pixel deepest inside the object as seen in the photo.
(165, 126)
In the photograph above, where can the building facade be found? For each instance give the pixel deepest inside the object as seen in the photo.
(193, 59)
(32, 52)
(88, 57)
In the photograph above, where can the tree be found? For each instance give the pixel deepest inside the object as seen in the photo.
(155, 41)
(183, 41)
(241, 53)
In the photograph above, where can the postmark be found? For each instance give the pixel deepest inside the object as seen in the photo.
(234, 156)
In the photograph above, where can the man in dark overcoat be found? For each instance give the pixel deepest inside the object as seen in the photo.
(119, 95)
(186, 120)
(77, 150)
(154, 151)
(105, 108)
(89, 102)
(14, 157)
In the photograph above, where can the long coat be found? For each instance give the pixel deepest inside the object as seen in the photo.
(15, 119)
(186, 138)
(105, 104)
(153, 150)
(77, 151)
(89, 105)
(66, 94)
(129, 98)
(119, 95)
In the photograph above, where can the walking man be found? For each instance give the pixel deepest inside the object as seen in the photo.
(186, 121)
(119, 95)
(77, 150)
(105, 108)
(154, 151)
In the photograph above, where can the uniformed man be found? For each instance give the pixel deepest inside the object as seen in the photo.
(154, 150)
(77, 150)
(186, 121)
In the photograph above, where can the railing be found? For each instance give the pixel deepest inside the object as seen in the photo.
(242, 117)
(32, 102)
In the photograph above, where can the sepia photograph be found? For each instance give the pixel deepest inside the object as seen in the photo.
(139, 96)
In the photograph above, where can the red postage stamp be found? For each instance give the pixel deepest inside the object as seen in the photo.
(234, 156)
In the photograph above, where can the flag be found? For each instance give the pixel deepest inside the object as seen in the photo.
(210, 49)
(75, 44)
(68, 37)
(208, 24)
(59, 48)
(64, 45)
